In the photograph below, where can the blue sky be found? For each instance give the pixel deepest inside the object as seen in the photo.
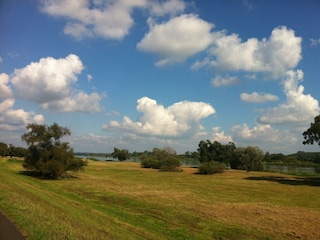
(139, 74)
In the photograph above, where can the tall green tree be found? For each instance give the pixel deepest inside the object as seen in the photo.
(312, 135)
(120, 154)
(248, 158)
(46, 154)
(215, 151)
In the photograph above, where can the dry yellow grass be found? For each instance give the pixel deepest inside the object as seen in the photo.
(120, 200)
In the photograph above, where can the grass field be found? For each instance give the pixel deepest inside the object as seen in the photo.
(120, 200)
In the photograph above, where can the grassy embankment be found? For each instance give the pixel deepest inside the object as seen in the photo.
(120, 200)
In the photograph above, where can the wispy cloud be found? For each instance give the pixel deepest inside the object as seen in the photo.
(258, 97)
(314, 42)
(248, 4)
(220, 81)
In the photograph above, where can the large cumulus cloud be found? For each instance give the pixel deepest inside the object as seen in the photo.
(174, 121)
(178, 38)
(50, 83)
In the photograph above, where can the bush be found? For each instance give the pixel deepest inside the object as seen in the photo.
(211, 167)
(170, 165)
(150, 162)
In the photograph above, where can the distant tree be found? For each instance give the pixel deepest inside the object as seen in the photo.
(16, 151)
(120, 154)
(312, 135)
(46, 154)
(3, 149)
(248, 158)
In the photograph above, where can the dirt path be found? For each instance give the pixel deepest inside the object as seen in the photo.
(8, 230)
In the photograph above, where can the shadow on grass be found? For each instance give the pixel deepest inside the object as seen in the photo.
(308, 181)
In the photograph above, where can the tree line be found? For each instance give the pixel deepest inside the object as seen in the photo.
(48, 156)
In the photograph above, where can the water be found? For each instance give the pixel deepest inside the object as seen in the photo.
(289, 169)
(99, 158)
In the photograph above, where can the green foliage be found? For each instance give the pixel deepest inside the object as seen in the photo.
(170, 165)
(120, 154)
(149, 162)
(248, 158)
(215, 151)
(211, 167)
(312, 135)
(16, 151)
(3, 149)
(165, 160)
(46, 154)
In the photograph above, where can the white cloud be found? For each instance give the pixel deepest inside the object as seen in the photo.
(314, 42)
(256, 133)
(219, 136)
(79, 102)
(177, 39)
(174, 121)
(5, 90)
(49, 82)
(258, 97)
(171, 6)
(16, 119)
(220, 81)
(299, 108)
(264, 136)
(106, 19)
(273, 57)
(1, 60)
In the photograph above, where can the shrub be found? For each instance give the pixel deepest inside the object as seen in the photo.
(150, 162)
(170, 165)
(167, 163)
(211, 167)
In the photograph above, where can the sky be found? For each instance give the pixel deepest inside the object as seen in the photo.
(139, 74)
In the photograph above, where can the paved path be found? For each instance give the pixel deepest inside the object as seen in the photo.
(8, 230)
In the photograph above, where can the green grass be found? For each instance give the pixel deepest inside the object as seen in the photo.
(120, 200)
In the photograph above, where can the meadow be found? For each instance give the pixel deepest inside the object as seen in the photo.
(121, 200)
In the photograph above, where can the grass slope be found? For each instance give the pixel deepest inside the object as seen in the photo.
(112, 200)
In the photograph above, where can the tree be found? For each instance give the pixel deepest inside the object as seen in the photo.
(46, 154)
(216, 151)
(248, 158)
(3, 149)
(312, 135)
(16, 151)
(121, 155)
